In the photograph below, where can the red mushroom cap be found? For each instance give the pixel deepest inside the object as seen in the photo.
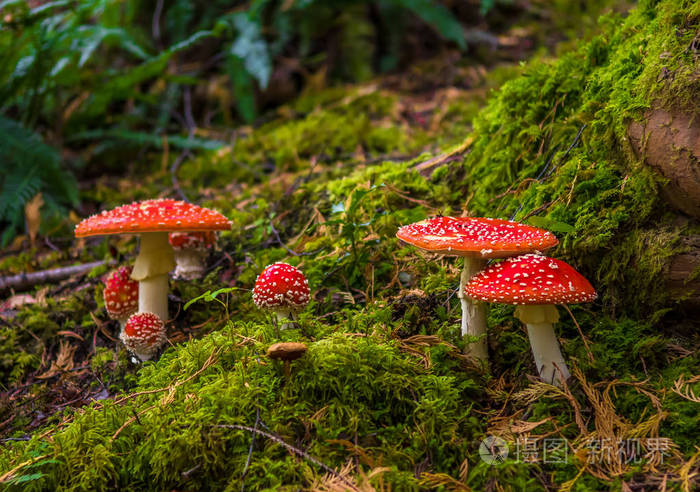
(530, 279)
(161, 215)
(476, 236)
(143, 333)
(121, 293)
(199, 240)
(281, 285)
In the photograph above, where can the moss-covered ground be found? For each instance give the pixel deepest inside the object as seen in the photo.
(384, 398)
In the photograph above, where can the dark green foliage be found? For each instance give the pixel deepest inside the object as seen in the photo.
(29, 166)
(65, 65)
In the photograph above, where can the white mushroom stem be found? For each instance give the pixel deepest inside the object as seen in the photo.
(283, 317)
(151, 269)
(190, 263)
(473, 311)
(539, 320)
(122, 324)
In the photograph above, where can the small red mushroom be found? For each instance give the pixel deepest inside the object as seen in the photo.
(143, 335)
(535, 283)
(121, 295)
(282, 289)
(190, 251)
(476, 239)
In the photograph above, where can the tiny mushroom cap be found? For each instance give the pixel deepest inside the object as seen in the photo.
(121, 294)
(476, 236)
(531, 279)
(197, 240)
(190, 252)
(286, 351)
(143, 335)
(159, 215)
(281, 287)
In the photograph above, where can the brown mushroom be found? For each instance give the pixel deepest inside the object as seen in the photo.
(286, 352)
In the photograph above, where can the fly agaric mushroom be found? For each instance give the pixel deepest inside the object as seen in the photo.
(143, 335)
(282, 289)
(121, 295)
(190, 250)
(535, 283)
(286, 352)
(152, 220)
(476, 239)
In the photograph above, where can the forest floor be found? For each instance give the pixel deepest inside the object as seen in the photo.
(384, 398)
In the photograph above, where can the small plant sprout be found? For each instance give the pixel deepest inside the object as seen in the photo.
(152, 220)
(191, 250)
(143, 335)
(121, 295)
(535, 284)
(286, 352)
(282, 289)
(477, 240)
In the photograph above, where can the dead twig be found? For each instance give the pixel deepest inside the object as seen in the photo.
(26, 280)
(408, 198)
(294, 450)
(426, 168)
(250, 450)
(131, 421)
(585, 341)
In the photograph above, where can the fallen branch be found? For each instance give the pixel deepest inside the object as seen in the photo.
(26, 280)
(426, 168)
(10, 474)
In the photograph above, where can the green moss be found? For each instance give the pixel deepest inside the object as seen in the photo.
(609, 198)
(345, 387)
(330, 126)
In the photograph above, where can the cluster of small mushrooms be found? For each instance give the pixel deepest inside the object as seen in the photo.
(172, 230)
(176, 234)
(138, 296)
(533, 282)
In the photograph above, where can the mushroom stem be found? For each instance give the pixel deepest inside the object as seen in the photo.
(539, 320)
(151, 269)
(473, 311)
(153, 296)
(190, 263)
(283, 317)
(122, 325)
